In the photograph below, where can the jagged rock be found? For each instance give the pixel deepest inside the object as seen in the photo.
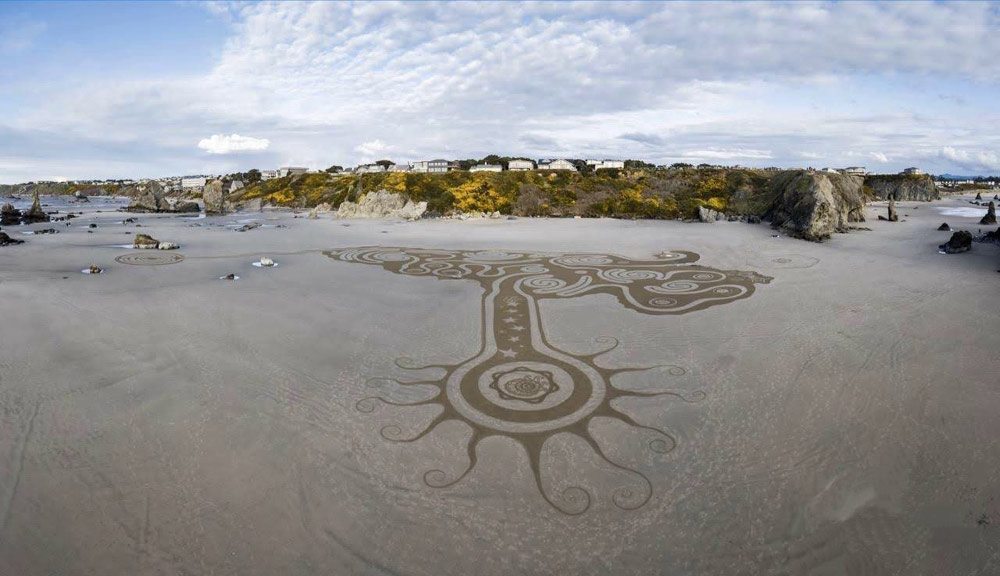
(709, 215)
(960, 241)
(35, 213)
(215, 197)
(979, 195)
(145, 241)
(991, 215)
(382, 204)
(6, 240)
(168, 246)
(996, 196)
(814, 205)
(323, 208)
(753, 219)
(944, 227)
(251, 205)
(148, 198)
(893, 216)
(186, 206)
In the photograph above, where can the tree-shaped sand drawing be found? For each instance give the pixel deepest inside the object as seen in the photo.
(523, 387)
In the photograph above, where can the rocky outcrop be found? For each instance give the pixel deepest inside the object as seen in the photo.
(323, 208)
(814, 205)
(6, 240)
(215, 197)
(979, 195)
(248, 226)
(147, 197)
(944, 227)
(902, 187)
(186, 206)
(960, 241)
(893, 216)
(383, 204)
(35, 213)
(9, 215)
(991, 215)
(709, 215)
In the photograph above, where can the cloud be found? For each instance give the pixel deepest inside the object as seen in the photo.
(728, 154)
(374, 148)
(981, 160)
(879, 157)
(223, 144)
(650, 139)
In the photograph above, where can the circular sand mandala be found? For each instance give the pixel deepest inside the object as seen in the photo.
(150, 258)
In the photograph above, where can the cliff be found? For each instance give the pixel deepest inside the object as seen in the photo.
(902, 187)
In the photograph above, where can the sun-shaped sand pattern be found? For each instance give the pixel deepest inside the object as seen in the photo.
(523, 387)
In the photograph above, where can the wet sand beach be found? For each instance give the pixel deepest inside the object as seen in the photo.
(529, 396)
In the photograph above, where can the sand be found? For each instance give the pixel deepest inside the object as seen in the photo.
(841, 418)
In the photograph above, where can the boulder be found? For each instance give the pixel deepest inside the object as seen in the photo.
(991, 215)
(960, 241)
(813, 205)
(186, 206)
(979, 195)
(323, 208)
(6, 240)
(145, 241)
(709, 215)
(148, 198)
(944, 227)
(382, 204)
(9, 215)
(893, 216)
(215, 198)
(248, 226)
(168, 246)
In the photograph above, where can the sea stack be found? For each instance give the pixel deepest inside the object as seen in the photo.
(991, 215)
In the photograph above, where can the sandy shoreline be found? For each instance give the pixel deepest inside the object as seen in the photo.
(158, 420)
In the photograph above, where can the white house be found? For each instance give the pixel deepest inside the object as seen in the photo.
(559, 164)
(369, 169)
(420, 166)
(855, 171)
(291, 170)
(268, 175)
(912, 171)
(520, 165)
(193, 182)
(486, 168)
(601, 164)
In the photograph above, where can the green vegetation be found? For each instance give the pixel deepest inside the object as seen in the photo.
(629, 193)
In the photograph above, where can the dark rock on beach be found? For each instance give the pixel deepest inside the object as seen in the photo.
(6, 240)
(991, 215)
(145, 241)
(944, 227)
(960, 241)
(814, 205)
(893, 216)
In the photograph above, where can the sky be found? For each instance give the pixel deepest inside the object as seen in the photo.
(120, 90)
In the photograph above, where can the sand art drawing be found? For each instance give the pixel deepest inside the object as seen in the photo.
(150, 258)
(520, 385)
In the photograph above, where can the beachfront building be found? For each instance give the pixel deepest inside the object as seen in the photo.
(435, 166)
(520, 165)
(912, 171)
(559, 164)
(604, 164)
(486, 168)
(291, 171)
(855, 171)
(266, 175)
(399, 168)
(369, 169)
(193, 182)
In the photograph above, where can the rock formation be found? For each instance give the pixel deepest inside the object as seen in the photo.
(323, 208)
(709, 215)
(944, 227)
(893, 216)
(148, 198)
(215, 198)
(382, 204)
(248, 226)
(979, 195)
(186, 206)
(960, 241)
(35, 213)
(814, 205)
(902, 187)
(9, 215)
(991, 215)
(6, 240)
(145, 241)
